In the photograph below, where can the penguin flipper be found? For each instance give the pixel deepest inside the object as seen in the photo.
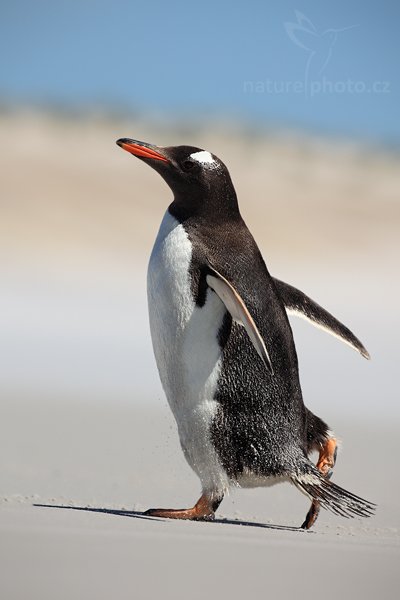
(239, 312)
(297, 303)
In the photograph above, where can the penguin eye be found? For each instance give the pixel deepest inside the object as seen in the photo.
(187, 165)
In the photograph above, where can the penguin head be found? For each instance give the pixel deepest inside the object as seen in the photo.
(196, 177)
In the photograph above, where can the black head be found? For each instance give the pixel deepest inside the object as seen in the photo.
(199, 180)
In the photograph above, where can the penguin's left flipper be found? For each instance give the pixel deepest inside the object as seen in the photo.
(239, 312)
(297, 303)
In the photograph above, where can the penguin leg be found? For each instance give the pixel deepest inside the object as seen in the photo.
(326, 462)
(203, 510)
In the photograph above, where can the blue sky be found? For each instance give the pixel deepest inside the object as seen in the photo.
(281, 63)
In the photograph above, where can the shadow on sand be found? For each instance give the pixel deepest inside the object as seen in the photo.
(141, 515)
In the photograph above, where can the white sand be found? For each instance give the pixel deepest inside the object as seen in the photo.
(83, 420)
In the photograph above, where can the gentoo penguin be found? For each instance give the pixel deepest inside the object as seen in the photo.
(224, 347)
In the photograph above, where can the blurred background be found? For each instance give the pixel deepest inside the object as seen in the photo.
(299, 99)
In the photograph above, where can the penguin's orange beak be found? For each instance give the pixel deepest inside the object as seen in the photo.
(141, 149)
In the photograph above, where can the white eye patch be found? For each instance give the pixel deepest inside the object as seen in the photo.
(205, 158)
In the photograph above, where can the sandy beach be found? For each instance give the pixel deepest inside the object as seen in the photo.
(87, 441)
(84, 475)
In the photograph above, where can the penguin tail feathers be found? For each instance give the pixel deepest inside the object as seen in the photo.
(331, 496)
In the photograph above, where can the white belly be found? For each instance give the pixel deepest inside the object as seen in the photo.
(186, 349)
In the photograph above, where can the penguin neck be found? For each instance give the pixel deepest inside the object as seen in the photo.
(220, 205)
